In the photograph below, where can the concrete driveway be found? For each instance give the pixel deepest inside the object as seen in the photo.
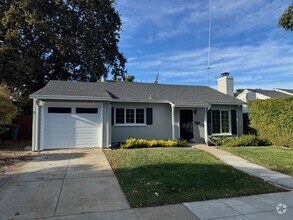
(62, 183)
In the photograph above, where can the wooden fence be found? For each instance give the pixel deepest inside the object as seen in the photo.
(25, 122)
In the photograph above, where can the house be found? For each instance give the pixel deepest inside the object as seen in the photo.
(98, 114)
(252, 94)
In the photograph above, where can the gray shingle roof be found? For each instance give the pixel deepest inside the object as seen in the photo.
(177, 94)
(270, 93)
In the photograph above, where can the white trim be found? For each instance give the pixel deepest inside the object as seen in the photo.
(206, 138)
(35, 126)
(109, 127)
(173, 121)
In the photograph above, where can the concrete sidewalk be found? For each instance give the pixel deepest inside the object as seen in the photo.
(267, 206)
(239, 163)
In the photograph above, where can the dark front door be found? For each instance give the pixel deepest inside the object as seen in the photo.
(186, 124)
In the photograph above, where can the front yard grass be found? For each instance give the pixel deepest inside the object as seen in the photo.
(275, 158)
(159, 176)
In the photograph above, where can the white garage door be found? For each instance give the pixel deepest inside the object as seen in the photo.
(71, 127)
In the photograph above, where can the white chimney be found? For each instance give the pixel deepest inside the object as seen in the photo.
(226, 84)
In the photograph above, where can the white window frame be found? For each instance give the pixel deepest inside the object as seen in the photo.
(229, 118)
(129, 124)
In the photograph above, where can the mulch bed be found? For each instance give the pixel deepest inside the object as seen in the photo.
(12, 154)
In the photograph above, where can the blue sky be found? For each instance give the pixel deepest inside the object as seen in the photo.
(170, 38)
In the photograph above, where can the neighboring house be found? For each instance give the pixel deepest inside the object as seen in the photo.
(252, 94)
(82, 114)
(286, 91)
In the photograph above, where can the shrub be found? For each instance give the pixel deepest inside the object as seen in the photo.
(245, 140)
(217, 140)
(142, 143)
(273, 120)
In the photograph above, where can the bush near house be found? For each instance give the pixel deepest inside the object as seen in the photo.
(142, 143)
(273, 120)
(245, 140)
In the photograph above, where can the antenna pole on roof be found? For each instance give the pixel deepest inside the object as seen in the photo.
(209, 42)
(157, 79)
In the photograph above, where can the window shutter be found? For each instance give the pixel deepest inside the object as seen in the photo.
(209, 121)
(112, 116)
(149, 116)
(234, 122)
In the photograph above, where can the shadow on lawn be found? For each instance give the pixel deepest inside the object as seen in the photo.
(168, 183)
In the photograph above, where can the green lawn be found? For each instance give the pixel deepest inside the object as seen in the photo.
(160, 176)
(275, 158)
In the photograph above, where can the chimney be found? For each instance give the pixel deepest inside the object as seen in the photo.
(226, 84)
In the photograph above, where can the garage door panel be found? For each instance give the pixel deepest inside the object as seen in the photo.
(86, 130)
(70, 130)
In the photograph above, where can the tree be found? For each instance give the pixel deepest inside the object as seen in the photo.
(7, 109)
(129, 78)
(42, 40)
(286, 20)
(238, 91)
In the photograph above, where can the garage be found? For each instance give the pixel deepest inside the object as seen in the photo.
(71, 127)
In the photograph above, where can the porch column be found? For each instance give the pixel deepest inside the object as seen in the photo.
(173, 121)
(206, 126)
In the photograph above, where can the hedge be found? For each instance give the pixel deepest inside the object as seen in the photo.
(245, 140)
(142, 143)
(273, 120)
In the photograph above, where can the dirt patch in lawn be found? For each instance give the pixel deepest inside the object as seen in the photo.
(14, 155)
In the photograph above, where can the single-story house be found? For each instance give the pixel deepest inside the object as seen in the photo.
(98, 114)
(252, 94)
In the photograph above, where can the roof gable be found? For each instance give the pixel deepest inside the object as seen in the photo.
(270, 93)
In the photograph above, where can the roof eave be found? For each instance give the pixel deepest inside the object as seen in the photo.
(77, 98)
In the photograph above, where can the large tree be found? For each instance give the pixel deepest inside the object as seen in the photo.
(7, 109)
(42, 40)
(286, 20)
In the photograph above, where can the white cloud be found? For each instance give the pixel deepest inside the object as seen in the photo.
(267, 63)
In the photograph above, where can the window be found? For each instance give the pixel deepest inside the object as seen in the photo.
(119, 115)
(129, 116)
(140, 116)
(220, 121)
(59, 110)
(86, 110)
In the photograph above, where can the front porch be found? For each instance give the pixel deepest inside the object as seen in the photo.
(197, 123)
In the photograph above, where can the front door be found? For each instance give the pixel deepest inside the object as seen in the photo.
(186, 124)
